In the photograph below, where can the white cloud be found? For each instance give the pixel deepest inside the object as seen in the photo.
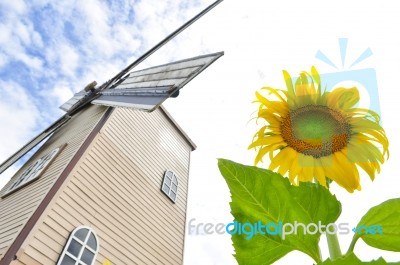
(17, 35)
(20, 116)
(3, 60)
(61, 92)
(69, 60)
(16, 7)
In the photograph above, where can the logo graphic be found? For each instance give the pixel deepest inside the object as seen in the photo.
(364, 79)
(280, 228)
(368, 230)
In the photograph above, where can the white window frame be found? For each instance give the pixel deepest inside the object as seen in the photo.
(168, 190)
(84, 246)
(34, 170)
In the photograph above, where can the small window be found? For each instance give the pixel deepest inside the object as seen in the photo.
(34, 170)
(81, 248)
(170, 185)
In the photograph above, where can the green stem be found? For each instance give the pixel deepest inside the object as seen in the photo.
(333, 246)
(352, 244)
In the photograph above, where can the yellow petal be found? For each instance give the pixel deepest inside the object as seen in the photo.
(264, 150)
(283, 160)
(291, 96)
(307, 164)
(274, 106)
(368, 168)
(267, 140)
(319, 173)
(275, 92)
(343, 98)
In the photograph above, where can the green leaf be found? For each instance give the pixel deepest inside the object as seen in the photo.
(262, 195)
(380, 226)
(353, 260)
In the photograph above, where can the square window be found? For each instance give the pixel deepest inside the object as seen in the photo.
(67, 260)
(165, 189)
(74, 248)
(173, 196)
(167, 181)
(87, 256)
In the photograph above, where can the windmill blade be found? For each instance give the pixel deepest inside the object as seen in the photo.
(160, 44)
(147, 89)
(73, 101)
(34, 142)
(81, 99)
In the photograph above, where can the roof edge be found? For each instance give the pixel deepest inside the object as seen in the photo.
(179, 128)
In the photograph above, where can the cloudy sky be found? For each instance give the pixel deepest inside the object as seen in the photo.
(51, 49)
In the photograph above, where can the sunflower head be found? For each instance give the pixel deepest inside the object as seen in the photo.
(312, 134)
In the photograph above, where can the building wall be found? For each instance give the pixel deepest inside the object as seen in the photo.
(116, 190)
(18, 207)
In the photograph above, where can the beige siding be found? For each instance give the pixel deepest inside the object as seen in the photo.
(115, 189)
(18, 207)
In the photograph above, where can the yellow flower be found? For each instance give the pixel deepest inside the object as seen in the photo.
(312, 134)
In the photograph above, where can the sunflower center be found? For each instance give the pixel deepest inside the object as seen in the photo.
(315, 130)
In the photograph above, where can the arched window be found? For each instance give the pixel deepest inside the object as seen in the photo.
(81, 248)
(170, 185)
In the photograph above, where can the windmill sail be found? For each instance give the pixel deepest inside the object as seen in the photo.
(147, 89)
(74, 100)
(32, 143)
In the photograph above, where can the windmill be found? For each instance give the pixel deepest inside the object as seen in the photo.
(37, 202)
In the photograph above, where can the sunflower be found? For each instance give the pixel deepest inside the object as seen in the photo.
(311, 134)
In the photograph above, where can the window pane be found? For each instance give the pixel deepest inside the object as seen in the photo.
(166, 189)
(16, 183)
(174, 180)
(74, 248)
(87, 257)
(173, 195)
(67, 261)
(92, 242)
(81, 234)
(167, 181)
(169, 174)
(174, 187)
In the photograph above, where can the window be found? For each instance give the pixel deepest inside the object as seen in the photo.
(81, 248)
(170, 185)
(34, 170)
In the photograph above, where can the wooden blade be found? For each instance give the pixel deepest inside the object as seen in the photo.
(147, 89)
(73, 101)
(34, 142)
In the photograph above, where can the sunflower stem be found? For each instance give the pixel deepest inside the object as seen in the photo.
(352, 245)
(333, 246)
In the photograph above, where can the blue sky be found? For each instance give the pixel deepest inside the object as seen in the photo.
(51, 49)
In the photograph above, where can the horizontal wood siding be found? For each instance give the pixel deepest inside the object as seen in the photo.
(116, 190)
(17, 207)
